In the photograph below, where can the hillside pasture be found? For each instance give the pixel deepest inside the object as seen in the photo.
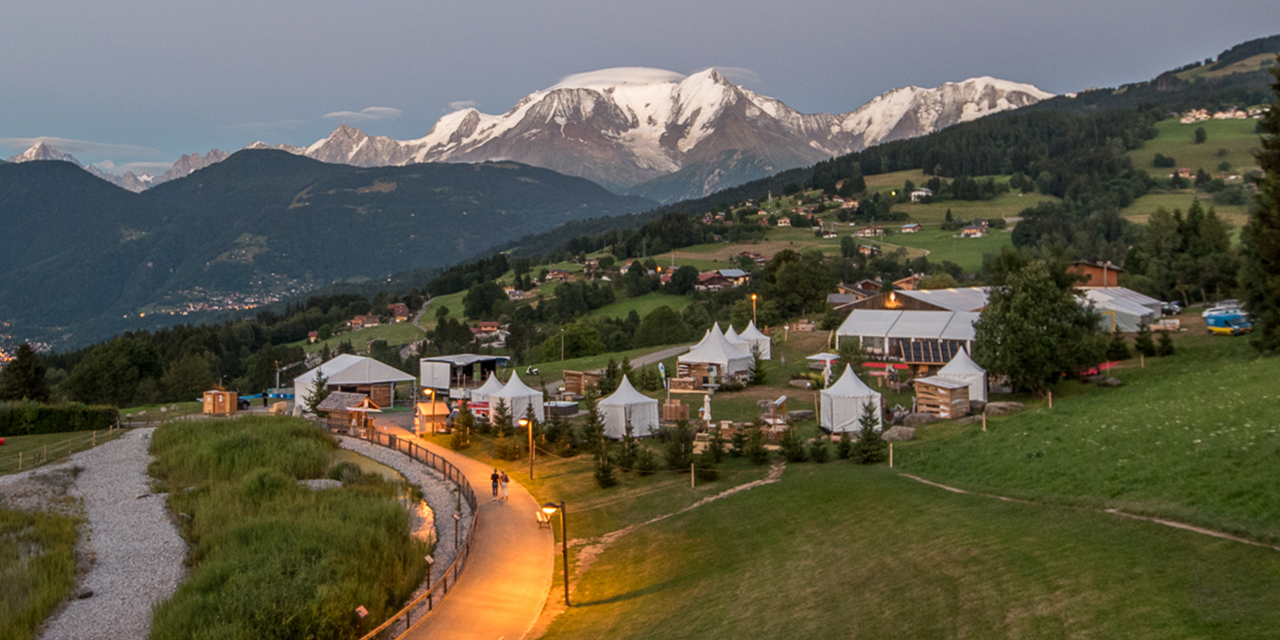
(1236, 137)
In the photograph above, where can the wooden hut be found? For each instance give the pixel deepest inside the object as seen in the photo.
(348, 410)
(432, 416)
(943, 397)
(217, 402)
(577, 382)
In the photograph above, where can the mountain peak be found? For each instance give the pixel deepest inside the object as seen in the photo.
(42, 151)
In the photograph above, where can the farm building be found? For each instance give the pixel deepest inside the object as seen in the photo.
(962, 368)
(844, 401)
(628, 406)
(714, 359)
(1123, 309)
(922, 338)
(519, 397)
(913, 227)
(347, 409)
(458, 374)
(353, 374)
(973, 231)
(943, 397)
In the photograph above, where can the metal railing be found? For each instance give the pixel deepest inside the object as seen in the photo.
(412, 615)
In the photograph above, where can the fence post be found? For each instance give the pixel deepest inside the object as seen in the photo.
(19, 461)
(95, 437)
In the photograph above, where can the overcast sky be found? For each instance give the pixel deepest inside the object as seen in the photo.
(138, 83)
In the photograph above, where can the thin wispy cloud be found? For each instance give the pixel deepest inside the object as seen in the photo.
(740, 75)
(88, 147)
(368, 114)
(458, 105)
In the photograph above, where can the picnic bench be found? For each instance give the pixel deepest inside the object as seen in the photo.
(543, 518)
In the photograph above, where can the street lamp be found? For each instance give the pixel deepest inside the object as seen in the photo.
(753, 309)
(561, 344)
(550, 508)
(526, 424)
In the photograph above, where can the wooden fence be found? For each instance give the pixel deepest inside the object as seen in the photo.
(30, 459)
(412, 615)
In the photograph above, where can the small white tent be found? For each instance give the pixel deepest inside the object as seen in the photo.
(716, 350)
(962, 368)
(627, 404)
(843, 401)
(518, 397)
(757, 339)
(490, 386)
(736, 340)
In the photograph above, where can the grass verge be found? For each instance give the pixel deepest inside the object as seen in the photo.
(37, 569)
(41, 449)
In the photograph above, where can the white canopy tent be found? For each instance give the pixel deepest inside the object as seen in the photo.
(350, 371)
(627, 404)
(716, 350)
(518, 397)
(490, 386)
(736, 340)
(757, 339)
(962, 368)
(843, 401)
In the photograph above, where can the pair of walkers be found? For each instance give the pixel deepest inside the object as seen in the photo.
(500, 480)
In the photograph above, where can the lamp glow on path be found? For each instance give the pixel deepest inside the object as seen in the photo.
(550, 508)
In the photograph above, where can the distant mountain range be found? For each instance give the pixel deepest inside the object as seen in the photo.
(257, 226)
(646, 132)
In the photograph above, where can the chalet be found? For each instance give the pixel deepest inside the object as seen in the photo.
(365, 321)
(712, 281)
(868, 250)
(828, 235)
(914, 227)
(312, 336)
(784, 222)
(973, 231)
(872, 231)
(755, 257)
(399, 311)
(514, 293)
(909, 283)
(737, 277)
(921, 194)
(1184, 172)
(867, 284)
(558, 275)
(348, 409)
(1097, 274)
(489, 326)
(849, 204)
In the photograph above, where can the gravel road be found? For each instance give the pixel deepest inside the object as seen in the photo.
(136, 550)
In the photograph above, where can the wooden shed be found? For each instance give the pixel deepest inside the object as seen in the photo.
(350, 410)
(220, 402)
(943, 397)
(432, 416)
(579, 381)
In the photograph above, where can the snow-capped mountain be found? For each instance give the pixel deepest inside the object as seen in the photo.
(189, 163)
(42, 151)
(625, 127)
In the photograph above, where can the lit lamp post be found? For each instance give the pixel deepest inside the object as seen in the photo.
(550, 508)
(753, 308)
(525, 424)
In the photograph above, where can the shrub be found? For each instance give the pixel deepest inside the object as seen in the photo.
(755, 450)
(604, 474)
(818, 451)
(844, 448)
(1143, 343)
(1165, 346)
(25, 417)
(679, 449)
(792, 448)
(646, 461)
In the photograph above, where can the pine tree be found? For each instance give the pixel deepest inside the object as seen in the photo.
(679, 451)
(1260, 240)
(755, 449)
(1143, 343)
(1118, 348)
(319, 391)
(461, 437)
(844, 448)
(1165, 346)
(705, 467)
(593, 427)
(715, 444)
(758, 373)
(500, 417)
(646, 461)
(818, 451)
(792, 448)
(627, 452)
(23, 377)
(604, 473)
(870, 447)
(738, 443)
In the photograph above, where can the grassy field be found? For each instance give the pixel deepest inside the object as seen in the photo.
(47, 448)
(841, 551)
(270, 558)
(642, 305)
(555, 369)
(1005, 206)
(947, 245)
(1192, 437)
(1237, 137)
(153, 410)
(1237, 215)
(37, 569)
(395, 334)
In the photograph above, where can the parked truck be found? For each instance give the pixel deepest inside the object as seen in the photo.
(1228, 324)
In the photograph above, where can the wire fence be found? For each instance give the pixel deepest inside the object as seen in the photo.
(412, 615)
(32, 458)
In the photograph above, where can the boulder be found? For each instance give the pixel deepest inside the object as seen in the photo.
(898, 434)
(1092, 379)
(83, 593)
(969, 420)
(802, 383)
(1109, 382)
(976, 406)
(320, 484)
(1003, 408)
(763, 405)
(799, 415)
(918, 419)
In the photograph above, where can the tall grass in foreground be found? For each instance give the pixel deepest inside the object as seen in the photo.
(270, 559)
(37, 569)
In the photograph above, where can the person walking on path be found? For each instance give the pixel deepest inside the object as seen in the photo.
(494, 477)
(504, 481)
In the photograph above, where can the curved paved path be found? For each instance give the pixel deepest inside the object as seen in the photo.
(507, 578)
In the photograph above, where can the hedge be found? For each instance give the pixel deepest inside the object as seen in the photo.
(25, 417)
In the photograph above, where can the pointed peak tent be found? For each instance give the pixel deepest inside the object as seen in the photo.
(628, 404)
(758, 340)
(490, 386)
(518, 397)
(842, 402)
(736, 340)
(962, 368)
(716, 350)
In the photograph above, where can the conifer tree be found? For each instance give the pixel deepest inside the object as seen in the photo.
(1117, 348)
(755, 449)
(23, 377)
(792, 448)
(1260, 240)
(1165, 346)
(500, 417)
(715, 444)
(818, 451)
(461, 437)
(870, 447)
(319, 391)
(604, 473)
(593, 427)
(627, 450)
(844, 447)
(1143, 343)
(738, 443)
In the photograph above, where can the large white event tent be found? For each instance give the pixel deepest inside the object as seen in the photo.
(348, 372)
(757, 339)
(716, 350)
(628, 404)
(843, 401)
(736, 340)
(962, 368)
(492, 385)
(518, 397)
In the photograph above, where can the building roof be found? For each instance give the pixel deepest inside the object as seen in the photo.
(929, 325)
(929, 352)
(733, 273)
(954, 299)
(467, 359)
(353, 369)
(490, 386)
(945, 383)
(1122, 299)
(849, 386)
(961, 365)
(626, 395)
(751, 333)
(515, 388)
(716, 349)
(343, 401)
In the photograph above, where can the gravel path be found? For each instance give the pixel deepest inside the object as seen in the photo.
(441, 495)
(136, 552)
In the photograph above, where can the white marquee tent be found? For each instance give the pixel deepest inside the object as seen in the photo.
(490, 386)
(518, 397)
(715, 349)
(756, 338)
(348, 370)
(736, 340)
(962, 368)
(843, 401)
(628, 404)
